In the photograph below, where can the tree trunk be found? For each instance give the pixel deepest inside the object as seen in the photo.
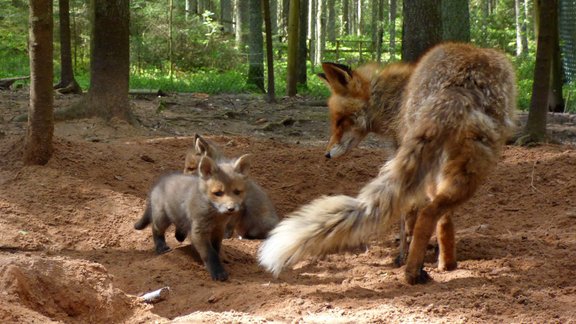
(374, 26)
(170, 39)
(556, 100)
(67, 79)
(271, 93)
(283, 26)
(320, 32)
(226, 15)
(242, 22)
(293, 48)
(380, 31)
(359, 18)
(536, 125)
(455, 20)
(312, 31)
(518, 23)
(422, 27)
(273, 17)
(255, 46)
(110, 61)
(392, 31)
(38, 142)
(303, 45)
(331, 22)
(346, 17)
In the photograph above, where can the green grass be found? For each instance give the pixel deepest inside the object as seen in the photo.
(15, 63)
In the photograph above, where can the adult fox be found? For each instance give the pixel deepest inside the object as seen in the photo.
(450, 114)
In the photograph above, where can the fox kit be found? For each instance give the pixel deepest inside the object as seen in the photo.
(257, 214)
(199, 206)
(450, 119)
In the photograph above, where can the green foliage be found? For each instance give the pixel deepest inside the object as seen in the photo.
(570, 97)
(525, 76)
(198, 42)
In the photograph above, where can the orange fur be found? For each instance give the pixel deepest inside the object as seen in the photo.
(450, 115)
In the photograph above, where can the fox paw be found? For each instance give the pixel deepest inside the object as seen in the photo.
(399, 261)
(180, 235)
(420, 277)
(162, 249)
(219, 276)
(447, 266)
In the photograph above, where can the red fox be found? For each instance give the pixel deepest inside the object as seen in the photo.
(200, 206)
(451, 119)
(257, 214)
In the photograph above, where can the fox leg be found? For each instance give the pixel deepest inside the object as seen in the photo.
(159, 225)
(159, 240)
(209, 254)
(457, 187)
(406, 230)
(445, 234)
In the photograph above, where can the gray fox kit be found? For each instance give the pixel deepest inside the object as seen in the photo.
(200, 206)
(257, 215)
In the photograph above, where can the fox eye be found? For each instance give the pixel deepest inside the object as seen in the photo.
(218, 193)
(237, 192)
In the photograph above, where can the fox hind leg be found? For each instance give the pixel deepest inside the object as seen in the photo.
(159, 226)
(453, 191)
(406, 230)
(446, 243)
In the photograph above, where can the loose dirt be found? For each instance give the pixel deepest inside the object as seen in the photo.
(69, 253)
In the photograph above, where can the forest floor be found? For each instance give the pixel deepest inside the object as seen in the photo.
(69, 252)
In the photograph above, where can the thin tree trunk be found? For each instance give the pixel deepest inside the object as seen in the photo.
(170, 39)
(392, 31)
(242, 22)
(274, 17)
(359, 18)
(518, 23)
(303, 45)
(255, 46)
(313, 4)
(379, 30)
(293, 48)
(536, 125)
(226, 15)
(38, 146)
(346, 17)
(271, 93)
(331, 22)
(67, 79)
(284, 17)
(320, 32)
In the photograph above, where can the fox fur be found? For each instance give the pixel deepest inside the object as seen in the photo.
(198, 206)
(257, 214)
(453, 115)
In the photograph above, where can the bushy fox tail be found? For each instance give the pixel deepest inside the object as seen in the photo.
(333, 223)
(145, 220)
(457, 138)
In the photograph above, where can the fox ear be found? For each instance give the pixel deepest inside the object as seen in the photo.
(207, 167)
(200, 144)
(191, 162)
(337, 76)
(242, 164)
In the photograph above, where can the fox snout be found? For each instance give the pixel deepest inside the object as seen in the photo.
(227, 208)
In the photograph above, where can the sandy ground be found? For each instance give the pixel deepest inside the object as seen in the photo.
(69, 253)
